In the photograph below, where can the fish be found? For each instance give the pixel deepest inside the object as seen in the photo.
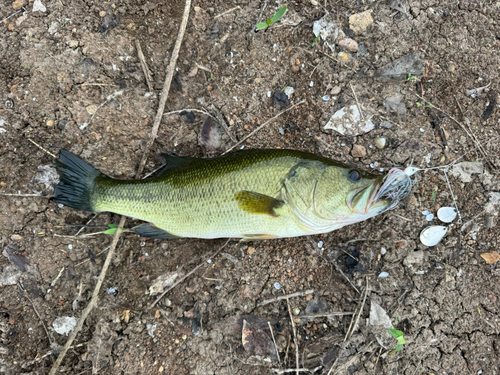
(248, 194)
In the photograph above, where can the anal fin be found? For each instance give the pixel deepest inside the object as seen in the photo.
(151, 231)
(259, 236)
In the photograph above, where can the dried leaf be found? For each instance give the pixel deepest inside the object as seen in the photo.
(211, 135)
(491, 257)
(257, 342)
(11, 252)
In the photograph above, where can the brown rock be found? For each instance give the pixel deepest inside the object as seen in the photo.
(349, 45)
(358, 151)
(17, 4)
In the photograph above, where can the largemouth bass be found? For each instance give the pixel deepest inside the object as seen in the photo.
(249, 194)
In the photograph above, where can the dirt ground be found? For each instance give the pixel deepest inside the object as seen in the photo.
(70, 77)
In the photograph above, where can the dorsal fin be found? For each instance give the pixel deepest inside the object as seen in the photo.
(172, 161)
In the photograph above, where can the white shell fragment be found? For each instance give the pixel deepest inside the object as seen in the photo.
(447, 214)
(429, 217)
(432, 235)
(410, 171)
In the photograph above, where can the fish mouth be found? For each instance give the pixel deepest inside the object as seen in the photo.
(382, 194)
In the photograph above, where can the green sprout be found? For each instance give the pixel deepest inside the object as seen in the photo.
(315, 40)
(398, 335)
(270, 21)
(112, 229)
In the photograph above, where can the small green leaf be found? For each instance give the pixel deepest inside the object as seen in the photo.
(278, 14)
(269, 22)
(315, 40)
(261, 25)
(419, 104)
(112, 229)
(433, 195)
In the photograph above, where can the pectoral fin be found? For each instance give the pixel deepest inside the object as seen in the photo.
(256, 203)
(151, 231)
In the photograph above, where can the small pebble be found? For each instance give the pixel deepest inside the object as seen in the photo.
(269, 94)
(425, 212)
(429, 217)
(320, 244)
(383, 274)
(277, 285)
(383, 250)
(311, 84)
(70, 246)
(422, 130)
(326, 98)
(380, 143)
(209, 261)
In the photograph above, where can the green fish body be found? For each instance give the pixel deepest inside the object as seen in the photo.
(250, 194)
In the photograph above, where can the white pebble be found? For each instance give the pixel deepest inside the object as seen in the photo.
(70, 246)
(425, 212)
(277, 285)
(422, 130)
(320, 244)
(326, 98)
(311, 84)
(383, 250)
(209, 260)
(429, 217)
(269, 94)
(383, 274)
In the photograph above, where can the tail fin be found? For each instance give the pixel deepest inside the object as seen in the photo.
(76, 181)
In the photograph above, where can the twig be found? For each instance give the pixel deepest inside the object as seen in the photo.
(25, 294)
(360, 309)
(166, 85)
(93, 301)
(187, 109)
(215, 113)
(93, 114)
(55, 280)
(95, 294)
(294, 338)
(322, 315)
(275, 346)
(388, 119)
(279, 298)
(41, 148)
(261, 12)
(453, 197)
(345, 277)
(263, 125)
(227, 11)
(357, 103)
(188, 274)
(468, 132)
(402, 217)
(144, 66)
(88, 222)
(13, 14)
(24, 195)
(289, 370)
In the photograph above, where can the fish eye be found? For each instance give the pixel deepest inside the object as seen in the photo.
(354, 175)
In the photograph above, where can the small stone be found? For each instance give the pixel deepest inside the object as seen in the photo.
(15, 237)
(297, 62)
(17, 4)
(451, 67)
(349, 44)
(386, 124)
(197, 9)
(73, 43)
(314, 2)
(209, 88)
(380, 143)
(336, 90)
(359, 22)
(251, 250)
(295, 69)
(358, 151)
(38, 6)
(50, 123)
(10, 27)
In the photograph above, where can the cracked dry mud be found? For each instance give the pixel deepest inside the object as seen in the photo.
(70, 78)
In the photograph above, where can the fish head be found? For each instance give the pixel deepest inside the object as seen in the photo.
(345, 195)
